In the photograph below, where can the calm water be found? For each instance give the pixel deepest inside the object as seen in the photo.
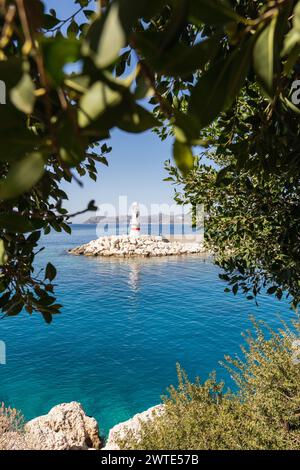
(124, 326)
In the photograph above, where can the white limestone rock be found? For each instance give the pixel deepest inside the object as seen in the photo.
(65, 427)
(133, 425)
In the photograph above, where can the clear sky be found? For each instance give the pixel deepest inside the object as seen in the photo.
(136, 163)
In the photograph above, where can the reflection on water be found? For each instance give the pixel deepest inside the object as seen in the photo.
(132, 268)
(134, 276)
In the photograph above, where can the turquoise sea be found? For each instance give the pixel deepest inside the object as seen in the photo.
(124, 325)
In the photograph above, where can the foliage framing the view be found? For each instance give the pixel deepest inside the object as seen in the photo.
(189, 58)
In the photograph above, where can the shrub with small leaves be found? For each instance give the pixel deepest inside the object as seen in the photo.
(11, 427)
(264, 412)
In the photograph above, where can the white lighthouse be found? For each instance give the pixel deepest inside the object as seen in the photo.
(135, 225)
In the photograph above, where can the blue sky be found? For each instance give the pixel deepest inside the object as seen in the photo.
(136, 163)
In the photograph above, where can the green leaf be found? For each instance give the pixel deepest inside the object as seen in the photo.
(91, 206)
(264, 58)
(11, 74)
(216, 12)
(106, 37)
(71, 147)
(17, 223)
(46, 299)
(292, 39)
(180, 60)
(82, 3)
(16, 143)
(295, 31)
(73, 29)
(138, 120)
(183, 157)
(108, 33)
(169, 179)
(3, 255)
(78, 83)
(291, 47)
(22, 176)
(186, 128)
(4, 299)
(235, 289)
(219, 86)
(101, 159)
(11, 71)
(272, 290)
(279, 294)
(22, 95)
(15, 309)
(67, 228)
(290, 105)
(33, 238)
(57, 53)
(187, 60)
(50, 272)
(95, 101)
(293, 57)
(88, 13)
(50, 21)
(47, 317)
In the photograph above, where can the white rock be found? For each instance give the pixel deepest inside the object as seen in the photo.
(133, 425)
(65, 427)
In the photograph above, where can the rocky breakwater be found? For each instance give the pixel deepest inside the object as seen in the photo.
(125, 246)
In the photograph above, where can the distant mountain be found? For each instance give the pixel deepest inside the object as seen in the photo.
(125, 219)
(107, 220)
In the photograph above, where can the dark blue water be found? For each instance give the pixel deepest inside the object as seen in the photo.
(124, 325)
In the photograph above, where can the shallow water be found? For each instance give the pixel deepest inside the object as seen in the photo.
(124, 325)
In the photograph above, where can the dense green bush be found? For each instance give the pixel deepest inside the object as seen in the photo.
(264, 412)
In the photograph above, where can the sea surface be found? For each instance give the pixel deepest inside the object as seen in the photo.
(124, 326)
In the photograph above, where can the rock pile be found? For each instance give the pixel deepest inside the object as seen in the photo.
(144, 246)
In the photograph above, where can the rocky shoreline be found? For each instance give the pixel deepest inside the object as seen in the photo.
(146, 246)
(131, 426)
(67, 427)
